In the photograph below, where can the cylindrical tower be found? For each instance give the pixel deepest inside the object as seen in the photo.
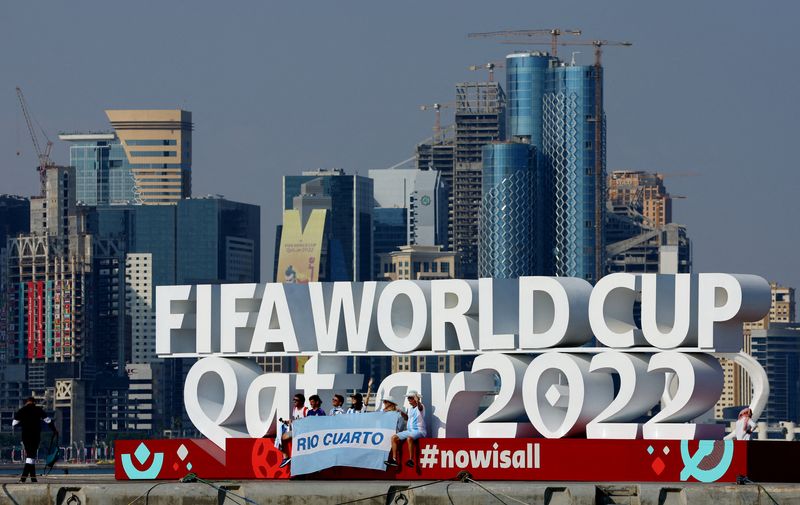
(570, 146)
(508, 231)
(526, 75)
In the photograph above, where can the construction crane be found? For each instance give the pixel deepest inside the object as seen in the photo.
(43, 155)
(437, 108)
(553, 32)
(488, 66)
(597, 44)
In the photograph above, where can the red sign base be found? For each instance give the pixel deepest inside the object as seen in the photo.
(534, 459)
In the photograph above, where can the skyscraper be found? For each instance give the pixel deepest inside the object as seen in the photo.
(198, 240)
(423, 194)
(737, 388)
(777, 349)
(146, 160)
(509, 235)
(480, 120)
(644, 191)
(554, 106)
(15, 219)
(103, 172)
(439, 155)
(345, 208)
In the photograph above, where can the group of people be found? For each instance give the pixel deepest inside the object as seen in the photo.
(410, 425)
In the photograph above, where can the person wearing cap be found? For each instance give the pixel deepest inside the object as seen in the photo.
(30, 418)
(415, 429)
(390, 405)
(357, 403)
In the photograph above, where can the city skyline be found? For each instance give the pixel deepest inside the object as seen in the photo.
(675, 103)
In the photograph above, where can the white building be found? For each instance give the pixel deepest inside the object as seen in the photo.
(425, 196)
(139, 307)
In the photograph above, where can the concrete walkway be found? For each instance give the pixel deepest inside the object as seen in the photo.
(89, 490)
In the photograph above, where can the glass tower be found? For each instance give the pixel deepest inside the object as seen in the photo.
(508, 229)
(146, 160)
(102, 170)
(777, 349)
(350, 223)
(554, 105)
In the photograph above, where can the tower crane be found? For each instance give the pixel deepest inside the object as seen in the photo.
(43, 155)
(488, 66)
(553, 32)
(437, 108)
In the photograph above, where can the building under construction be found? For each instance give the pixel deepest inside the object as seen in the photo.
(640, 234)
(64, 285)
(479, 120)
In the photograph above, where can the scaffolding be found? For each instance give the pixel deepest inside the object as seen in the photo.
(480, 120)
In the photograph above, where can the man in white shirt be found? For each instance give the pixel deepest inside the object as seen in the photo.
(745, 425)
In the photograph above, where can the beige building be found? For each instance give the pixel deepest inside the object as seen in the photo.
(415, 262)
(737, 389)
(158, 145)
(643, 190)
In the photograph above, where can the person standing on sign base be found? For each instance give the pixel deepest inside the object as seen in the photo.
(745, 425)
(30, 418)
(299, 411)
(414, 431)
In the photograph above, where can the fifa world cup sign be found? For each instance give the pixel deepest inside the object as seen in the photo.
(560, 357)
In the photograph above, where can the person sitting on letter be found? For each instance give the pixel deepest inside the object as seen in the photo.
(414, 431)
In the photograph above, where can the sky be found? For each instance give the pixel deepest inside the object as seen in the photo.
(707, 89)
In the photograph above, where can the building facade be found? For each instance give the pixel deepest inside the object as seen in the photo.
(146, 160)
(15, 219)
(423, 263)
(480, 119)
(777, 349)
(554, 107)
(644, 191)
(419, 263)
(423, 194)
(348, 239)
(510, 235)
(439, 155)
(102, 169)
(390, 232)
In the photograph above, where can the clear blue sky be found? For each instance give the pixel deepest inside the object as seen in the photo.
(279, 87)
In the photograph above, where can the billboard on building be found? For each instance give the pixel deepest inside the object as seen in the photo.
(301, 247)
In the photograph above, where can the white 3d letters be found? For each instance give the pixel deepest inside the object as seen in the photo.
(566, 390)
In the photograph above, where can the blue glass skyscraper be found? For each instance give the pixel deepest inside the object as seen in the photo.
(103, 173)
(777, 349)
(509, 241)
(555, 107)
(349, 223)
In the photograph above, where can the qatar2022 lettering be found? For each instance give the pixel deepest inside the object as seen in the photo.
(560, 357)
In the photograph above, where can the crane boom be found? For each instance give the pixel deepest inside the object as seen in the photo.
(553, 32)
(42, 155)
